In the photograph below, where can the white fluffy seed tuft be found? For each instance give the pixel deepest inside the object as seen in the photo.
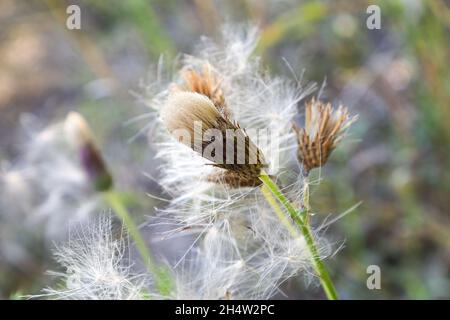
(95, 268)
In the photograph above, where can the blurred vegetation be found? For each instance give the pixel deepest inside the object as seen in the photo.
(396, 159)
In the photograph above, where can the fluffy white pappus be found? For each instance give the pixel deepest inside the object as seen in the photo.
(251, 241)
(213, 271)
(241, 250)
(247, 260)
(44, 191)
(271, 254)
(264, 106)
(55, 188)
(95, 266)
(278, 253)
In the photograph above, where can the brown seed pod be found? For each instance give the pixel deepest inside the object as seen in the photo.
(194, 120)
(323, 129)
(79, 134)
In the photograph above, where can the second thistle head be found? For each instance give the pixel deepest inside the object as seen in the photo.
(79, 134)
(195, 121)
(324, 128)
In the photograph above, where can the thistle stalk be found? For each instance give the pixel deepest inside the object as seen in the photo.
(91, 160)
(299, 219)
(162, 278)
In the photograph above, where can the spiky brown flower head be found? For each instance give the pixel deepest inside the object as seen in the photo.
(205, 82)
(195, 121)
(324, 127)
(80, 136)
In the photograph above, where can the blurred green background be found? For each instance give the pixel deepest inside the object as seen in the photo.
(396, 159)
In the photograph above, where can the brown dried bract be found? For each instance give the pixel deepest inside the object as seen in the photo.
(236, 179)
(205, 82)
(323, 130)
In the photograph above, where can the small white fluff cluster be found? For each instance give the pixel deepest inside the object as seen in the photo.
(43, 191)
(239, 249)
(249, 265)
(95, 266)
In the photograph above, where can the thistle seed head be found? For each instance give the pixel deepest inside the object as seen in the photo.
(323, 129)
(196, 122)
(79, 134)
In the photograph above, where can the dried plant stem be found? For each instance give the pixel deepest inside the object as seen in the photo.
(298, 218)
(162, 278)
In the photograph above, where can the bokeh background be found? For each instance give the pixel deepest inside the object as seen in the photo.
(396, 160)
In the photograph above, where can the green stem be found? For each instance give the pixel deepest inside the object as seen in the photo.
(279, 211)
(162, 278)
(319, 266)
